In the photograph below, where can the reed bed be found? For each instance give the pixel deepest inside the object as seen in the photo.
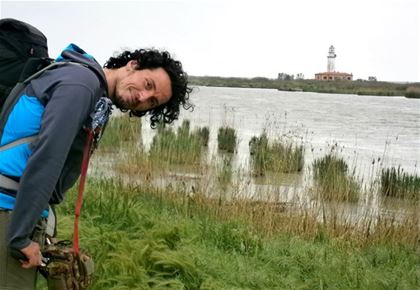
(333, 180)
(396, 183)
(276, 156)
(182, 147)
(125, 131)
(204, 134)
(227, 139)
(193, 233)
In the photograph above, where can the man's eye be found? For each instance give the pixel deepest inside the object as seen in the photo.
(148, 85)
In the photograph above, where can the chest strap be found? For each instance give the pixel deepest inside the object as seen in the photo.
(8, 183)
(18, 142)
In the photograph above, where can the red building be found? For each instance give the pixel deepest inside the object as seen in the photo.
(332, 76)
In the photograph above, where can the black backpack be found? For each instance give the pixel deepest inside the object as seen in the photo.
(23, 52)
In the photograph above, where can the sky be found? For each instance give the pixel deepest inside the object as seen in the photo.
(246, 38)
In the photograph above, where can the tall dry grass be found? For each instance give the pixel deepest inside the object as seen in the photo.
(192, 184)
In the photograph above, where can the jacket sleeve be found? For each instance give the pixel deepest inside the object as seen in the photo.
(63, 118)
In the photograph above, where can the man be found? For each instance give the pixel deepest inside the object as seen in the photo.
(56, 106)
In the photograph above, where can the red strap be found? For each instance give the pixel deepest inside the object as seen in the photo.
(83, 174)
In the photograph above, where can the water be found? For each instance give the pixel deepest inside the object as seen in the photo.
(364, 128)
(370, 132)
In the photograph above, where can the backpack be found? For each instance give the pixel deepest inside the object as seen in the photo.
(23, 52)
(23, 57)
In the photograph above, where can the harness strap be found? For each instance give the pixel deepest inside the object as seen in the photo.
(83, 174)
(18, 142)
(94, 132)
(8, 183)
(5, 181)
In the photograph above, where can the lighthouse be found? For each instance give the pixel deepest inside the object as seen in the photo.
(331, 59)
(331, 74)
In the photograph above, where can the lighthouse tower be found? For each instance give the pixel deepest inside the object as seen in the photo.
(331, 59)
(332, 74)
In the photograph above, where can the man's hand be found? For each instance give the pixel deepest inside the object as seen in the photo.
(33, 253)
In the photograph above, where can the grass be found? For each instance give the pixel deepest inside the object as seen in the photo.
(333, 180)
(225, 172)
(120, 130)
(183, 147)
(360, 87)
(173, 151)
(396, 183)
(226, 139)
(146, 238)
(276, 156)
(204, 134)
(177, 235)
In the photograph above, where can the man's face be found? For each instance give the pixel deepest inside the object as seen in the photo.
(141, 90)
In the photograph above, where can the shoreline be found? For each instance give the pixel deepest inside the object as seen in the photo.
(358, 87)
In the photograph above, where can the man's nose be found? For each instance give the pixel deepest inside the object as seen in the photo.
(145, 96)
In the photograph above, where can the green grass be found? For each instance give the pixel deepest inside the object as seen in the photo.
(120, 130)
(144, 238)
(396, 183)
(227, 139)
(359, 87)
(333, 180)
(225, 172)
(182, 147)
(176, 237)
(276, 156)
(204, 134)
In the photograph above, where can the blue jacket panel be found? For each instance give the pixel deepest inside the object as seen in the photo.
(23, 121)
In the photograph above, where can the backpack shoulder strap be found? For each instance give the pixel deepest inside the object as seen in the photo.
(13, 97)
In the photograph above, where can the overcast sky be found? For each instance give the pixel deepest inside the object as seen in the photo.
(241, 38)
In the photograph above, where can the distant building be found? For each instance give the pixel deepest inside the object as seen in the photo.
(372, 79)
(331, 74)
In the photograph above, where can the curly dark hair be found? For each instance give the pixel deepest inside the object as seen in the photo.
(151, 59)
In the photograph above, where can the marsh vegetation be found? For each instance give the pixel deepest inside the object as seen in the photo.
(358, 87)
(175, 217)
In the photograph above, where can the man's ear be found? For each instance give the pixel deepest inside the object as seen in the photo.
(132, 64)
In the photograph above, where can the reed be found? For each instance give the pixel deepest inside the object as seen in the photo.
(258, 149)
(225, 172)
(265, 212)
(120, 130)
(226, 139)
(396, 183)
(333, 179)
(277, 156)
(204, 134)
(171, 152)
(182, 147)
(184, 235)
